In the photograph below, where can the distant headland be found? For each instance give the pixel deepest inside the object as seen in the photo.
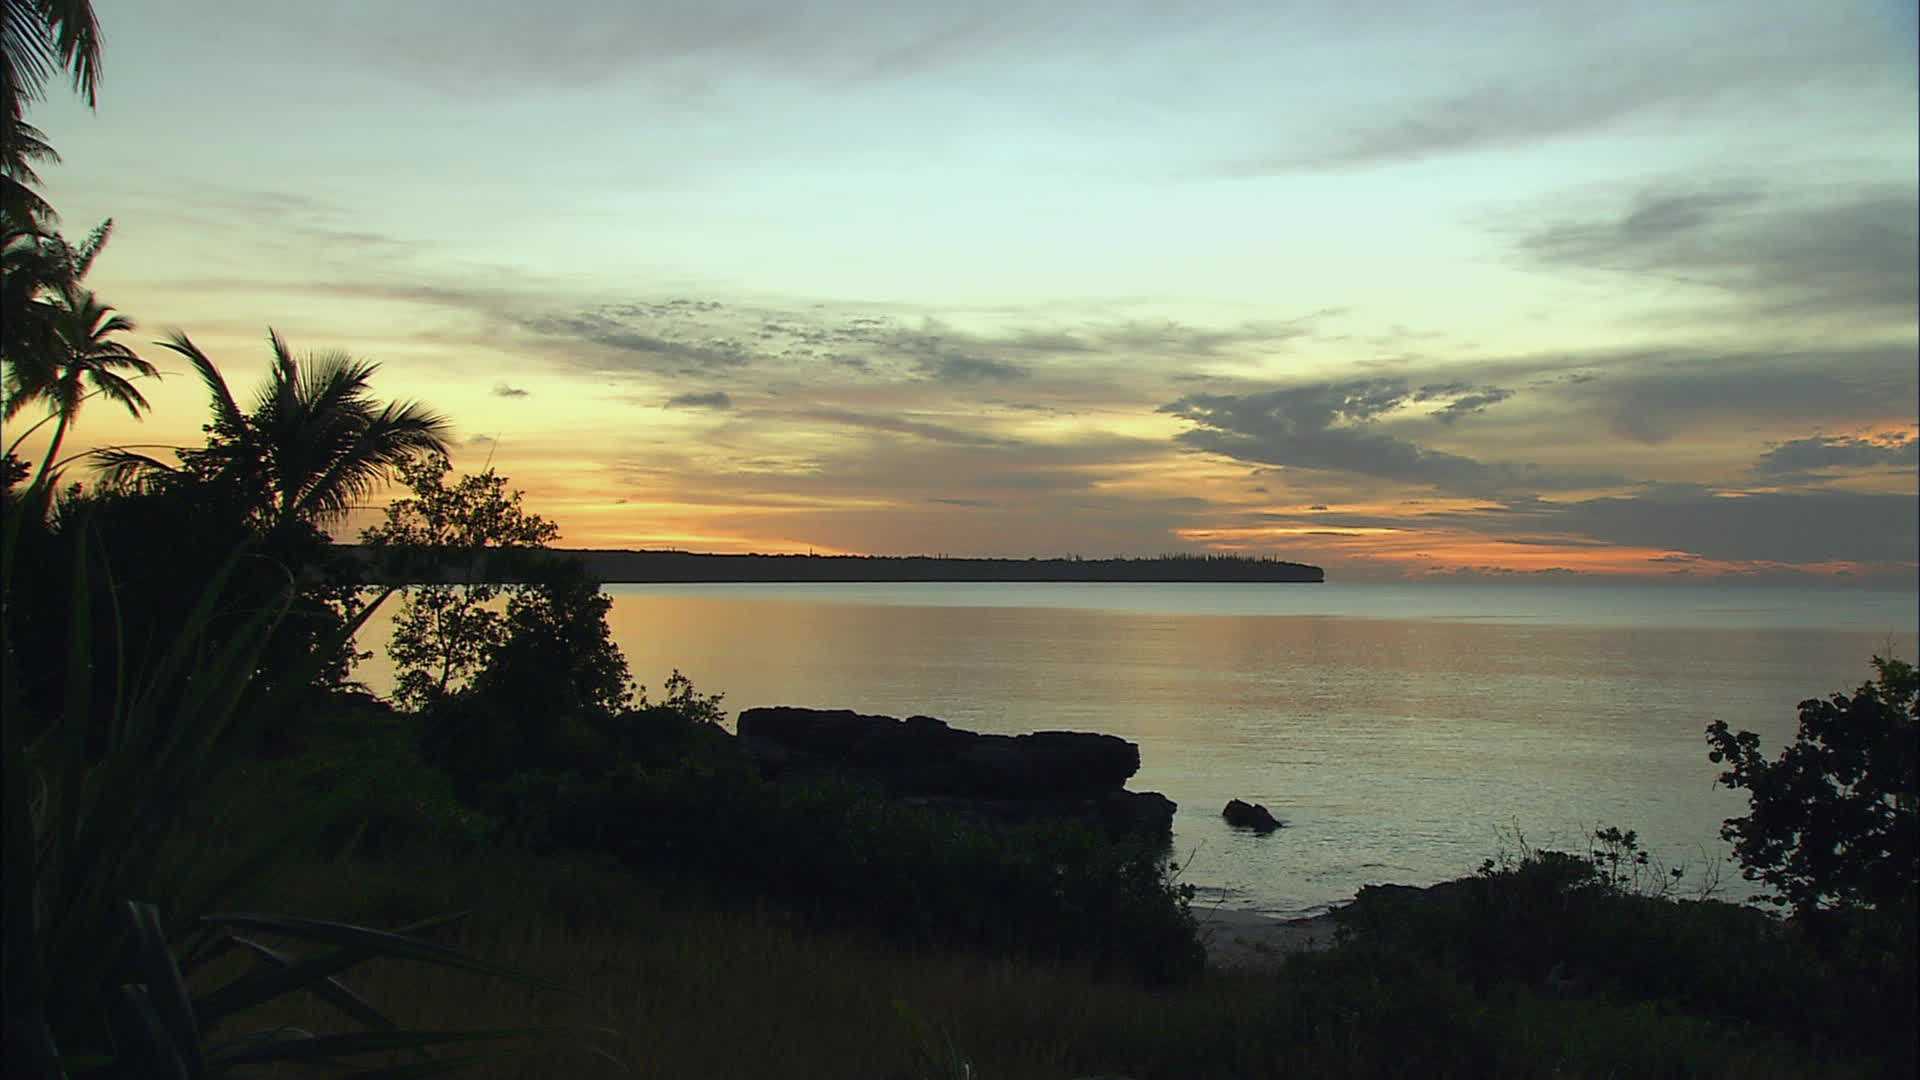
(610, 567)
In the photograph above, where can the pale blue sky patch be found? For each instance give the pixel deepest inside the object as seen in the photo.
(992, 244)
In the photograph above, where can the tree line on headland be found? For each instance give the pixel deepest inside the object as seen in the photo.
(619, 566)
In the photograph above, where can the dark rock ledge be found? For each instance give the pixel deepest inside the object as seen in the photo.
(1010, 778)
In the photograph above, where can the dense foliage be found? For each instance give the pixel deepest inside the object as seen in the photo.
(846, 856)
(1835, 821)
(1571, 926)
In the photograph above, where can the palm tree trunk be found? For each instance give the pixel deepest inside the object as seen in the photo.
(53, 448)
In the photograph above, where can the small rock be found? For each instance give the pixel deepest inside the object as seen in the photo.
(1246, 815)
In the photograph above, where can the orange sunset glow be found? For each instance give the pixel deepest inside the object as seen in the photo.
(1637, 336)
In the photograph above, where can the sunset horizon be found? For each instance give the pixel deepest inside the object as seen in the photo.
(858, 539)
(1493, 296)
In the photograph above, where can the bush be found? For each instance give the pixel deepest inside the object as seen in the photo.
(844, 855)
(391, 802)
(1555, 924)
(133, 613)
(554, 701)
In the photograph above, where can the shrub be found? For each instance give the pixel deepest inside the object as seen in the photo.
(550, 704)
(391, 803)
(1556, 924)
(841, 854)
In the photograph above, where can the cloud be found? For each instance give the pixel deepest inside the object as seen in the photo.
(1334, 426)
(501, 389)
(1483, 118)
(1850, 255)
(1657, 395)
(681, 50)
(1820, 453)
(1174, 338)
(714, 399)
(939, 433)
(625, 329)
(956, 367)
(1470, 404)
(1688, 523)
(1560, 75)
(1797, 527)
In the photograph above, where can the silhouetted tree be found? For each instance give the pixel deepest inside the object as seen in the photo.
(67, 352)
(314, 443)
(38, 266)
(39, 39)
(443, 633)
(1835, 822)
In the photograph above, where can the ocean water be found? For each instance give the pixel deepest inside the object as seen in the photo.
(1403, 732)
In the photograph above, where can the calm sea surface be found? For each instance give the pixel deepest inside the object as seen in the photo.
(1403, 732)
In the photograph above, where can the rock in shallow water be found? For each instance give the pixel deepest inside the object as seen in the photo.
(1245, 815)
(1010, 778)
(923, 756)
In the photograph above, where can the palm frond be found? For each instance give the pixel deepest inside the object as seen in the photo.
(226, 412)
(77, 38)
(119, 467)
(117, 388)
(286, 370)
(89, 250)
(98, 318)
(28, 56)
(399, 432)
(29, 143)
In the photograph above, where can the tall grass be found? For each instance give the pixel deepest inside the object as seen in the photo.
(694, 989)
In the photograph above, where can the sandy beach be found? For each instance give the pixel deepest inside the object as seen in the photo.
(1248, 941)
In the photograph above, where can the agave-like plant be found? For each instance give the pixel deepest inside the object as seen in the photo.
(160, 1028)
(92, 817)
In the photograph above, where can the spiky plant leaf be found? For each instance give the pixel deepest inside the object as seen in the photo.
(166, 990)
(353, 945)
(329, 1049)
(330, 989)
(141, 1044)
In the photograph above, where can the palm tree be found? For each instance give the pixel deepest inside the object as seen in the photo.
(38, 40)
(37, 268)
(24, 147)
(41, 37)
(86, 362)
(314, 444)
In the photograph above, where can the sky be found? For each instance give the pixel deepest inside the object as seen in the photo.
(1405, 290)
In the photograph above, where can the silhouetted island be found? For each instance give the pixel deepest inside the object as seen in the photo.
(653, 567)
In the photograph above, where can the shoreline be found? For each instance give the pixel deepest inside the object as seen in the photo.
(614, 566)
(1247, 941)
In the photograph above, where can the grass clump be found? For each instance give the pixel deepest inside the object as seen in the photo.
(695, 984)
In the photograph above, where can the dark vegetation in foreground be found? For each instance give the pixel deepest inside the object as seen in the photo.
(616, 567)
(183, 741)
(706, 920)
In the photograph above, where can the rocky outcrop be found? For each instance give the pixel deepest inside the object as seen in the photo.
(1014, 778)
(1245, 815)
